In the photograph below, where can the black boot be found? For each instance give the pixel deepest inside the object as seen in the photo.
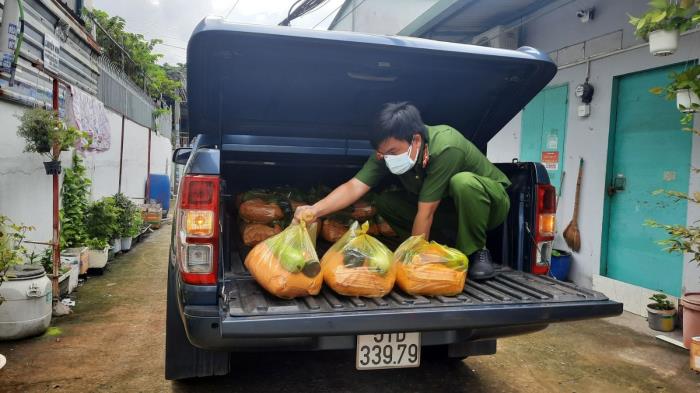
(481, 265)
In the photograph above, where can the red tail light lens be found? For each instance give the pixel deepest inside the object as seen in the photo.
(197, 248)
(545, 225)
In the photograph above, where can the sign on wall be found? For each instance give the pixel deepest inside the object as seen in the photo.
(52, 53)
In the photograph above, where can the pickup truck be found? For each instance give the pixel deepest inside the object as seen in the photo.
(281, 106)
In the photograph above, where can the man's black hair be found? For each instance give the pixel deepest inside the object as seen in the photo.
(399, 120)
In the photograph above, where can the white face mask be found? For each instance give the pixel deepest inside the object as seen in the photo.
(400, 163)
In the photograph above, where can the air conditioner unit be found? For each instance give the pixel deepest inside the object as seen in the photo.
(498, 37)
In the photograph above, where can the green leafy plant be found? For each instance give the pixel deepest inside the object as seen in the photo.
(12, 250)
(96, 244)
(126, 210)
(42, 129)
(663, 15)
(136, 224)
(688, 79)
(75, 204)
(102, 219)
(661, 302)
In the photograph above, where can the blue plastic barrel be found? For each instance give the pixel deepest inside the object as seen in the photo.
(561, 265)
(160, 190)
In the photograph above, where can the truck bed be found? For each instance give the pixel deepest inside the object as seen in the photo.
(511, 298)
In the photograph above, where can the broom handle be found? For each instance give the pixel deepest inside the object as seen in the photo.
(578, 189)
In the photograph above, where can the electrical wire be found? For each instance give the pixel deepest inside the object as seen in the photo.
(327, 16)
(300, 8)
(349, 12)
(231, 10)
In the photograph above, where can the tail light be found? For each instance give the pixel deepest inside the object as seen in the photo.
(197, 229)
(545, 225)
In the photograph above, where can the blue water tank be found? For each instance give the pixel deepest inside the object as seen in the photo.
(160, 190)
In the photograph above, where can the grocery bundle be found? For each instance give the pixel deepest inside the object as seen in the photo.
(264, 213)
(286, 264)
(429, 268)
(359, 265)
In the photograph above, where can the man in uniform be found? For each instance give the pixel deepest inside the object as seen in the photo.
(448, 185)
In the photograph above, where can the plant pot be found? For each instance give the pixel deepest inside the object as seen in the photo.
(81, 253)
(663, 42)
(116, 245)
(126, 243)
(27, 308)
(561, 265)
(691, 316)
(64, 284)
(98, 258)
(52, 167)
(685, 99)
(661, 320)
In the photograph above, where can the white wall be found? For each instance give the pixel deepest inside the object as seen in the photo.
(381, 16)
(588, 137)
(26, 190)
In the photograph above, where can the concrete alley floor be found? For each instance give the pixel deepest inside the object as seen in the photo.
(113, 342)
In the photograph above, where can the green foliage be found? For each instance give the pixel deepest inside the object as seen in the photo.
(42, 129)
(96, 244)
(126, 210)
(159, 80)
(75, 204)
(661, 302)
(102, 220)
(664, 15)
(136, 224)
(11, 248)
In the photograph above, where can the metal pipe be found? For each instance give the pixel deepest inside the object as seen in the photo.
(148, 170)
(121, 154)
(56, 255)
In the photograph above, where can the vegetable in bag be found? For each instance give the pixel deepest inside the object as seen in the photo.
(429, 268)
(359, 265)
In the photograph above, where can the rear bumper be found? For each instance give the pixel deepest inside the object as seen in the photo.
(324, 331)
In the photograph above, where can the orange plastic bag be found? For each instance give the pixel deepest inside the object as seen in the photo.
(332, 230)
(359, 265)
(363, 210)
(286, 265)
(384, 228)
(430, 268)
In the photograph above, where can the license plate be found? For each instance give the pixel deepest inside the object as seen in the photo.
(388, 350)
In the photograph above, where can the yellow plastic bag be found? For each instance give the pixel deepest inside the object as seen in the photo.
(359, 265)
(286, 265)
(430, 268)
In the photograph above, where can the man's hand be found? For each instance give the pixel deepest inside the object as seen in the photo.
(305, 213)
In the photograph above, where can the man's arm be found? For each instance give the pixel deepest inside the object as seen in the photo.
(424, 218)
(340, 198)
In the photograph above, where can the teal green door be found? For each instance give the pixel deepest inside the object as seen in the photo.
(650, 152)
(544, 131)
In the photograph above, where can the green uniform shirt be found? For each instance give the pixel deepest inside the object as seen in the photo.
(449, 153)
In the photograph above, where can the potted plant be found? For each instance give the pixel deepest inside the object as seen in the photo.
(661, 313)
(101, 221)
(662, 24)
(684, 88)
(74, 194)
(126, 209)
(98, 253)
(11, 248)
(46, 134)
(136, 225)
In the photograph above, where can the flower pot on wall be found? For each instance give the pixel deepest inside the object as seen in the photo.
(686, 99)
(52, 167)
(663, 42)
(661, 320)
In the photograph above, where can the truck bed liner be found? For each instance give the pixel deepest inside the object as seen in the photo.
(246, 298)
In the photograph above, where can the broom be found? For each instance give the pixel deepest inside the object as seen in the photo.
(571, 233)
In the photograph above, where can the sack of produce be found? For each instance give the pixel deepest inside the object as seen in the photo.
(429, 268)
(359, 265)
(384, 228)
(260, 207)
(254, 233)
(363, 210)
(286, 265)
(334, 228)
